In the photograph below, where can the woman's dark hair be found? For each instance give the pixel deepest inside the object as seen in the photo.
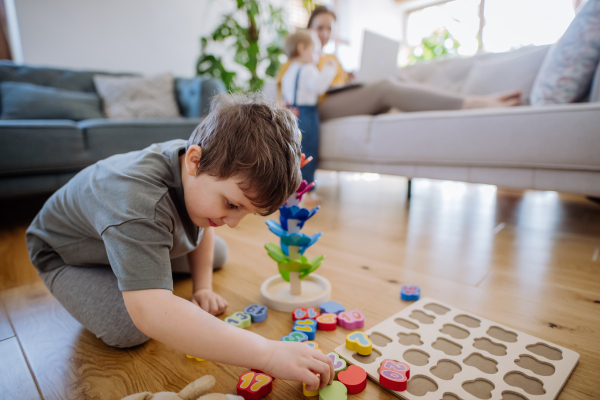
(320, 10)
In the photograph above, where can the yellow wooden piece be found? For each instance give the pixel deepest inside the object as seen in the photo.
(359, 342)
(196, 358)
(309, 393)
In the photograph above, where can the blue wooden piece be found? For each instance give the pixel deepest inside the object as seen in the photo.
(295, 337)
(332, 307)
(410, 293)
(257, 312)
(307, 326)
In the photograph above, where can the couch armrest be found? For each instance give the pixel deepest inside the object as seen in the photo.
(194, 94)
(34, 146)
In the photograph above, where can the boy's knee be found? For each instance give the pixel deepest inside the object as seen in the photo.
(130, 336)
(220, 253)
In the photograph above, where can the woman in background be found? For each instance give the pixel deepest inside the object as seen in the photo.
(381, 96)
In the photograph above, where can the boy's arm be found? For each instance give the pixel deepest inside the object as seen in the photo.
(201, 267)
(180, 324)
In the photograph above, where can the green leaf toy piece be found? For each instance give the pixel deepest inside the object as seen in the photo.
(303, 266)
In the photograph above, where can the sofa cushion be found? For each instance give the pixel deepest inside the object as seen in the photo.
(556, 137)
(29, 101)
(508, 73)
(551, 137)
(40, 146)
(78, 81)
(137, 97)
(105, 137)
(569, 67)
(345, 138)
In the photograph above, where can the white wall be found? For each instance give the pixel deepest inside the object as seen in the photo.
(143, 36)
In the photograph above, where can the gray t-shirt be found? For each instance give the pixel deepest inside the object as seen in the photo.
(126, 211)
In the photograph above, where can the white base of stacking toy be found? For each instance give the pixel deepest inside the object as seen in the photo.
(275, 293)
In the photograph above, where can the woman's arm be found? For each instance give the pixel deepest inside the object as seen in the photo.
(178, 323)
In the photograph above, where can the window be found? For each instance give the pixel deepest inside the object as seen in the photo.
(463, 27)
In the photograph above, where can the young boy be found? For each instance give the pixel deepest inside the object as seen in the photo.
(301, 86)
(104, 242)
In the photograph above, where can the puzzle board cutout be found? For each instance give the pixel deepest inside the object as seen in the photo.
(506, 364)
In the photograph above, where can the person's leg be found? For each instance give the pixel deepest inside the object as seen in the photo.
(308, 122)
(92, 296)
(381, 96)
(181, 264)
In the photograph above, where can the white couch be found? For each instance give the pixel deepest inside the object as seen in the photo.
(525, 147)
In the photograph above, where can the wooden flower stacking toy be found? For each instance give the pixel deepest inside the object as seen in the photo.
(285, 292)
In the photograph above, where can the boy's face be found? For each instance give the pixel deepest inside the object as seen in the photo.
(209, 201)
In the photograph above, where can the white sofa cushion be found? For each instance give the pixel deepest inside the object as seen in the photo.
(556, 137)
(451, 73)
(516, 72)
(345, 138)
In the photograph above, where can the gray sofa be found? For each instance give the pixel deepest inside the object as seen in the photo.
(38, 156)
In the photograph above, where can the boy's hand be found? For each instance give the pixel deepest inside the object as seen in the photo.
(299, 362)
(209, 301)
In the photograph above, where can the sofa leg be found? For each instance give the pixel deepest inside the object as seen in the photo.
(409, 189)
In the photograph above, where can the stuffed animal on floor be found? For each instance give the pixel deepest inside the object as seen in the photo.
(194, 391)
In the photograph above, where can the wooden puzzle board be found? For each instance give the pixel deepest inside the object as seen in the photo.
(424, 322)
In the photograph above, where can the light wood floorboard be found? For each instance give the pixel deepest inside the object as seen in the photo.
(523, 259)
(16, 382)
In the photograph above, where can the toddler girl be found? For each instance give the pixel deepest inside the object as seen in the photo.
(301, 86)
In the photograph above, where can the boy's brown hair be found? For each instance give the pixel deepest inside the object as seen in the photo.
(302, 36)
(254, 140)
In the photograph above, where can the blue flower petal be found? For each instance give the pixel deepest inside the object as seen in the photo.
(297, 213)
(276, 228)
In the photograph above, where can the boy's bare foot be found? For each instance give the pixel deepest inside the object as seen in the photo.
(510, 99)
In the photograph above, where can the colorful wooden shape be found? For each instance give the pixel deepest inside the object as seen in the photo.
(195, 358)
(312, 312)
(327, 322)
(410, 293)
(394, 375)
(335, 391)
(332, 307)
(351, 319)
(354, 378)
(308, 326)
(254, 385)
(339, 364)
(359, 342)
(257, 312)
(305, 313)
(299, 313)
(239, 319)
(295, 337)
(309, 393)
(314, 345)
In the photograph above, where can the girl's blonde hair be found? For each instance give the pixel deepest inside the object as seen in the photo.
(301, 36)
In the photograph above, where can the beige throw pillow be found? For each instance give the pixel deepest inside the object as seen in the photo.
(137, 97)
(516, 72)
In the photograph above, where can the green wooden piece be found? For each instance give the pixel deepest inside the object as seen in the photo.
(286, 265)
(336, 391)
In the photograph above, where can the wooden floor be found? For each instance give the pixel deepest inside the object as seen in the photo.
(529, 260)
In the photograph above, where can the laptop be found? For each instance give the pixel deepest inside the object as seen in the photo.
(379, 60)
